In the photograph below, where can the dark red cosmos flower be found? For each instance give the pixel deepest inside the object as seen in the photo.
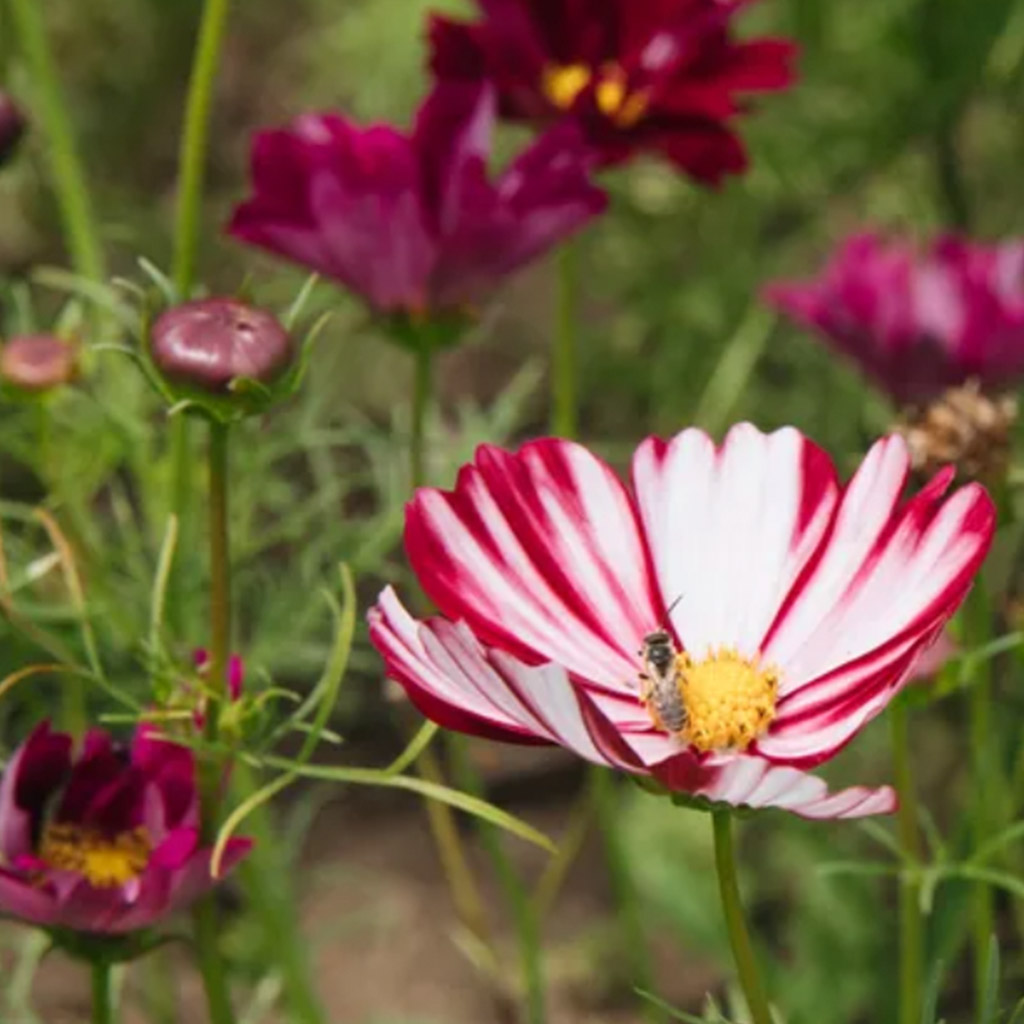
(411, 222)
(662, 75)
(105, 841)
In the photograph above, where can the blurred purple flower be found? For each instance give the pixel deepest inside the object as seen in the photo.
(12, 126)
(411, 222)
(918, 323)
(105, 840)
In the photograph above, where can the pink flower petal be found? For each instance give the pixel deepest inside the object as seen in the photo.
(540, 553)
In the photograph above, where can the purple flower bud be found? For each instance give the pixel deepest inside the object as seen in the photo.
(210, 343)
(37, 362)
(12, 127)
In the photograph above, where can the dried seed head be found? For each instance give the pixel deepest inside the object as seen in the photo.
(12, 127)
(37, 362)
(212, 342)
(964, 428)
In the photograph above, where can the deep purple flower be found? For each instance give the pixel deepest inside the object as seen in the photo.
(659, 75)
(919, 322)
(105, 840)
(410, 221)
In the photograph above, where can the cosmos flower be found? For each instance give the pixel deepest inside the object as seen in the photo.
(918, 323)
(411, 222)
(105, 840)
(659, 75)
(794, 608)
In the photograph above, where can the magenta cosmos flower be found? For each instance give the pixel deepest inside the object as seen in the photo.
(793, 608)
(661, 75)
(105, 840)
(410, 221)
(918, 322)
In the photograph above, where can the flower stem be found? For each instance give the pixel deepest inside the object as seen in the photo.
(267, 881)
(564, 412)
(195, 141)
(527, 918)
(911, 930)
(469, 904)
(102, 993)
(977, 630)
(739, 937)
(422, 385)
(206, 916)
(605, 803)
(950, 176)
(72, 193)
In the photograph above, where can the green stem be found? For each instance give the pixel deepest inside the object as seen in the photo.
(624, 896)
(564, 412)
(102, 993)
(524, 912)
(950, 176)
(423, 374)
(977, 630)
(732, 908)
(469, 903)
(194, 143)
(206, 917)
(83, 239)
(911, 924)
(266, 876)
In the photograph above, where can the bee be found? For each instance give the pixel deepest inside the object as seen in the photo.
(660, 688)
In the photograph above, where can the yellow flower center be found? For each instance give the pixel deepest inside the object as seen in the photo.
(729, 700)
(105, 862)
(563, 83)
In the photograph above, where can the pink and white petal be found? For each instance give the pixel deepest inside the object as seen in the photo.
(747, 781)
(493, 688)
(731, 530)
(882, 576)
(816, 721)
(540, 552)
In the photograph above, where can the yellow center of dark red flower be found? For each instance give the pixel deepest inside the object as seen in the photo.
(563, 83)
(105, 862)
(729, 699)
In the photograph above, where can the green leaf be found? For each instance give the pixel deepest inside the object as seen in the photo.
(990, 996)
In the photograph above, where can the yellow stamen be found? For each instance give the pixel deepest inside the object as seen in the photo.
(729, 699)
(615, 101)
(563, 83)
(105, 862)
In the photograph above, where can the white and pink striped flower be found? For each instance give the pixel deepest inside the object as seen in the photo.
(797, 607)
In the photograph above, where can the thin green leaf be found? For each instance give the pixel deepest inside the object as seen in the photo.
(416, 746)
(997, 843)
(163, 573)
(990, 996)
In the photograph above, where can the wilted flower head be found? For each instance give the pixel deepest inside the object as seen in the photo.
(660, 75)
(37, 362)
(917, 322)
(12, 126)
(105, 840)
(411, 222)
(209, 343)
(735, 618)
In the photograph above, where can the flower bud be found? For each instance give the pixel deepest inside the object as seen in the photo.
(37, 362)
(12, 127)
(208, 344)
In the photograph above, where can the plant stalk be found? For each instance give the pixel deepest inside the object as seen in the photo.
(206, 914)
(73, 199)
(564, 411)
(102, 993)
(732, 908)
(950, 175)
(469, 903)
(911, 923)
